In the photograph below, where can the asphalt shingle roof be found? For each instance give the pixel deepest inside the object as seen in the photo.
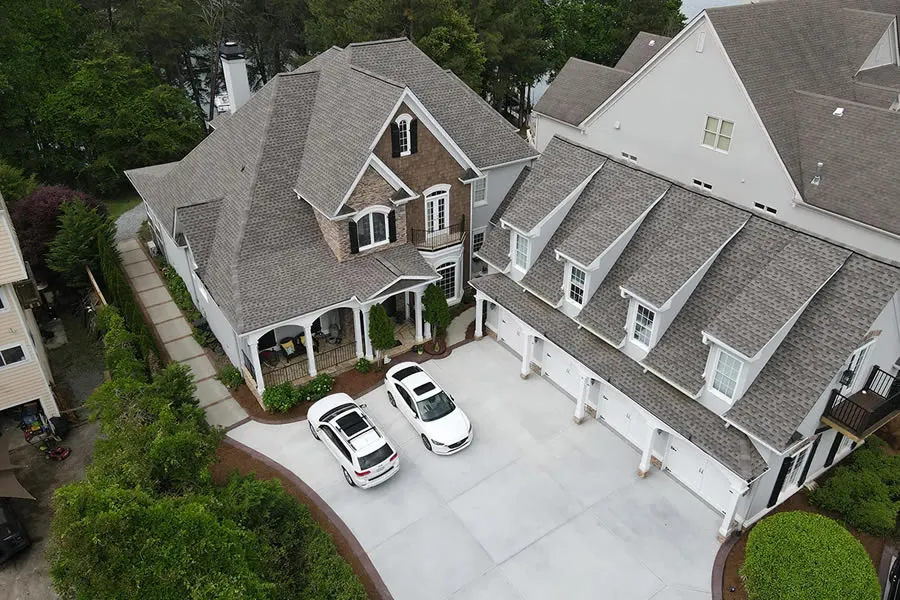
(495, 248)
(579, 88)
(563, 166)
(778, 291)
(805, 364)
(698, 424)
(863, 30)
(887, 76)
(643, 47)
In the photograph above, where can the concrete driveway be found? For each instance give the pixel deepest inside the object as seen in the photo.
(536, 508)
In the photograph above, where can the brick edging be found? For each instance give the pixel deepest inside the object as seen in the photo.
(333, 519)
(718, 570)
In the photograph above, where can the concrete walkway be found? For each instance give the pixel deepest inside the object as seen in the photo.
(176, 335)
(456, 331)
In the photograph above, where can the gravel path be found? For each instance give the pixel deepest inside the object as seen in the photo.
(129, 223)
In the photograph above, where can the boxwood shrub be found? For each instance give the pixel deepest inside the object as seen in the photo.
(806, 556)
(280, 397)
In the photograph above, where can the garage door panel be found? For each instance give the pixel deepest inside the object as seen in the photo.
(622, 415)
(562, 370)
(510, 331)
(698, 472)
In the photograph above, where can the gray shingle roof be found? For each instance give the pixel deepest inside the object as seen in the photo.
(887, 76)
(832, 326)
(579, 88)
(863, 30)
(860, 174)
(778, 291)
(563, 166)
(680, 355)
(513, 190)
(643, 47)
(495, 248)
(701, 426)
(681, 255)
(198, 222)
(482, 133)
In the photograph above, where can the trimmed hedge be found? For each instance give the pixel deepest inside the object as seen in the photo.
(806, 556)
(283, 396)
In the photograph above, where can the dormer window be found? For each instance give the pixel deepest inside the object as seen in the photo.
(726, 375)
(642, 332)
(520, 251)
(404, 136)
(577, 284)
(375, 227)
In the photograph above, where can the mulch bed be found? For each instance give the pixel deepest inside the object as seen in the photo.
(873, 545)
(231, 458)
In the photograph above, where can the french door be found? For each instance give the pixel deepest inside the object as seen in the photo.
(437, 208)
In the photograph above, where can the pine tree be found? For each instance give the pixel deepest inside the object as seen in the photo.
(381, 330)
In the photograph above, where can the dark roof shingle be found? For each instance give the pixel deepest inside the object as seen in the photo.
(643, 47)
(579, 88)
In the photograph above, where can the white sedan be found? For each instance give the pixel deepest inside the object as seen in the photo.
(442, 425)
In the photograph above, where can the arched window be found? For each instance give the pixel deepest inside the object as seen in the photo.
(372, 228)
(447, 271)
(404, 134)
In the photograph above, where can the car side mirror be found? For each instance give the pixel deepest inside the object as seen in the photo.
(362, 405)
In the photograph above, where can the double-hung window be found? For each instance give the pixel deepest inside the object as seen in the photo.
(479, 192)
(717, 133)
(725, 378)
(477, 241)
(11, 356)
(643, 325)
(577, 279)
(447, 271)
(372, 230)
(520, 251)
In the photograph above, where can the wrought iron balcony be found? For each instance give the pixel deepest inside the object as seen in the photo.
(859, 415)
(427, 239)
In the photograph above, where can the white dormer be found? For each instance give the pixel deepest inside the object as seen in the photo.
(521, 254)
(576, 284)
(641, 327)
(727, 376)
(885, 51)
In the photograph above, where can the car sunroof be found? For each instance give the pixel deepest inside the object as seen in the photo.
(351, 424)
(406, 372)
(425, 387)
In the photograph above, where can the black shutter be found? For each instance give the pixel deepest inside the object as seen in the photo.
(809, 460)
(395, 140)
(392, 226)
(413, 136)
(832, 452)
(354, 241)
(779, 482)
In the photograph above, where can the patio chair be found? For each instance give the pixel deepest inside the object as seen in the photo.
(334, 334)
(288, 347)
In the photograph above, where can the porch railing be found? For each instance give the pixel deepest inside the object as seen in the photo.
(299, 367)
(428, 239)
(861, 413)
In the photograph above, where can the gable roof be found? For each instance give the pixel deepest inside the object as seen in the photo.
(643, 47)
(578, 89)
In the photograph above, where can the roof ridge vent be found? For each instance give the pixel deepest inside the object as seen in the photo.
(839, 111)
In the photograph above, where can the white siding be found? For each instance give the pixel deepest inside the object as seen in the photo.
(499, 180)
(219, 325)
(12, 268)
(25, 381)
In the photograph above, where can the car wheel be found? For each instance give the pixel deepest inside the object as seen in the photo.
(313, 431)
(426, 442)
(391, 400)
(348, 478)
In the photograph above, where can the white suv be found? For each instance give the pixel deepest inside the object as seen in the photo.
(366, 456)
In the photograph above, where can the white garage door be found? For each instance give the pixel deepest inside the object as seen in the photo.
(562, 370)
(621, 414)
(698, 472)
(510, 331)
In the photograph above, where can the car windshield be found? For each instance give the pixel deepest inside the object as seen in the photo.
(435, 407)
(379, 456)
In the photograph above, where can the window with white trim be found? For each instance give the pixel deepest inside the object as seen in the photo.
(447, 271)
(799, 460)
(372, 229)
(520, 254)
(727, 372)
(3, 305)
(12, 355)
(577, 279)
(643, 325)
(403, 128)
(855, 365)
(437, 209)
(717, 134)
(479, 192)
(477, 241)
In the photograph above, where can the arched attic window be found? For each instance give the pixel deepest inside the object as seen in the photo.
(404, 136)
(373, 227)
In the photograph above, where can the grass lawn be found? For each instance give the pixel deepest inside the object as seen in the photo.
(120, 205)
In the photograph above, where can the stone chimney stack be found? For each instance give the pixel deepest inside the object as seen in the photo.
(234, 66)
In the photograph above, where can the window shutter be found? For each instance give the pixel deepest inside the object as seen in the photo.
(354, 241)
(413, 136)
(395, 140)
(832, 452)
(809, 459)
(779, 482)
(392, 226)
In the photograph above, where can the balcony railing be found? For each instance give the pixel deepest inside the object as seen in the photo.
(860, 414)
(427, 239)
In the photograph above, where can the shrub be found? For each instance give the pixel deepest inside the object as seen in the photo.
(865, 491)
(280, 397)
(363, 365)
(202, 336)
(231, 377)
(75, 245)
(317, 387)
(179, 291)
(805, 556)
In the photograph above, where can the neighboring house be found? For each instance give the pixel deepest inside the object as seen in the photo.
(360, 178)
(24, 370)
(693, 277)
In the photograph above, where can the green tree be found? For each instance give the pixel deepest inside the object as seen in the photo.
(381, 330)
(75, 246)
(454, 45)
(436, 312)
(14, 185)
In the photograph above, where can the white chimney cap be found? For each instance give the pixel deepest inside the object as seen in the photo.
(652, 43)
(839, 111)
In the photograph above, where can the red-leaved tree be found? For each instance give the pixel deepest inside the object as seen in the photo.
(36, 217)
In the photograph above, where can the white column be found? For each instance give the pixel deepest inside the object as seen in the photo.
(479, 315)
(357, 330)
(310, 346)
(736, 495)
(419, 337)
(578, 417)
(526, 357)
(366, 339)
(647, 453)
(258, 375)
(406, 305)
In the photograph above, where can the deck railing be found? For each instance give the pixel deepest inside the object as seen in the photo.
(862, 411)
(299, 367)
(427, 239)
